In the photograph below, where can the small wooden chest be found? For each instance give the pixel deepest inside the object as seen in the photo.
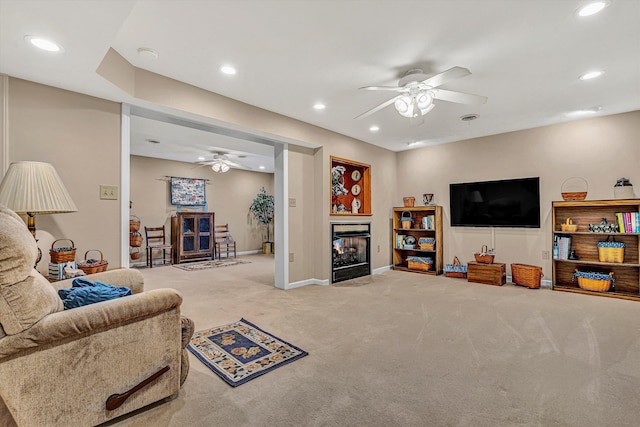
(489, 274)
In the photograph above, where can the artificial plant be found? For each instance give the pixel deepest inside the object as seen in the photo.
(262, 209)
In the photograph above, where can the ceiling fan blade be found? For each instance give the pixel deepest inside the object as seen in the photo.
(393, 88)
(237, 165)
(459, 97)
(446, 76)
(378, 108)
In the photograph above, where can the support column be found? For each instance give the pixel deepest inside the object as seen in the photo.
(281, 215)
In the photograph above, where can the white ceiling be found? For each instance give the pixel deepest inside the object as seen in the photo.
(524, 55)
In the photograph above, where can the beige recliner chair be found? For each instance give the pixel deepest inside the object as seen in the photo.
(59, 367)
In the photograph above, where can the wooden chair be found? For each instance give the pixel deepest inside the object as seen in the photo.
(223, 238)
(156, 240)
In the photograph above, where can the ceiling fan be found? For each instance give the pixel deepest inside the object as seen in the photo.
(417, 91)
(220, 163)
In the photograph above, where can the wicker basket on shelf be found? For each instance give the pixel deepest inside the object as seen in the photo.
(91, 266)
(572, 184)
(610, 250)
(593, 281)
(569, 226)
(64, 254)
(526, 275)
(419, 263)
(485, 256)
(427, 243)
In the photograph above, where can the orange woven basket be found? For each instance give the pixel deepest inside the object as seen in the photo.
(573, 195)
(526, 275)
(91, 266)
(62, 255)
(484, 257)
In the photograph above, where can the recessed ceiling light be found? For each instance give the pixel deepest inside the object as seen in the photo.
(147, 53)
(374, 128)
(591, 75)
(592, 8)
(469, 117)
(319, 106)
(44, 44)
(200, 158)
(260, 167)
(228, 69)
(411, 144)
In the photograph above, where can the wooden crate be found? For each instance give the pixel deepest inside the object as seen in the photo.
(489, 274)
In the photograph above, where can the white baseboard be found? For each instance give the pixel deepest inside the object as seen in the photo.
(544, 283)
(306, 282)
(381, 270)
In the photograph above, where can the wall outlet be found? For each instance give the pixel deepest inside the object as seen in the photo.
(290, 256)
(545, 254)
(108, 192)
(292, 203)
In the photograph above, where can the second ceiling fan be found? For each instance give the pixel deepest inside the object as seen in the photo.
(417, 91)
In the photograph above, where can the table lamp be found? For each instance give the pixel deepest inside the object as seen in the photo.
(34, 188)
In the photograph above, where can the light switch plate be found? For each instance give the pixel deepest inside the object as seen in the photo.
(108, 192)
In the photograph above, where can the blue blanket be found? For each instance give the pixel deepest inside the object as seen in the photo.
(85, 292)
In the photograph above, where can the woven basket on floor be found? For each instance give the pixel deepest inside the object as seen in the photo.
(526, 275)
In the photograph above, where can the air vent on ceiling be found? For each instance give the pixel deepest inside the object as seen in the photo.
(469, 117)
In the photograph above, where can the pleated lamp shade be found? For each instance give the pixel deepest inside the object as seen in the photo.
(35, 188)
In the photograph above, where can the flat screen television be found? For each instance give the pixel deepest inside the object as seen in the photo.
(505, 203)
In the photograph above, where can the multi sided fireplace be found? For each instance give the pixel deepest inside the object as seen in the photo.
(350, 251)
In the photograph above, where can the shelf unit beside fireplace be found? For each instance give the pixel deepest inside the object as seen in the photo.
(400, 254)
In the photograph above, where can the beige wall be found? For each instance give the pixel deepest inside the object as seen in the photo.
(229, 196)
(600, 150)
(80, 136)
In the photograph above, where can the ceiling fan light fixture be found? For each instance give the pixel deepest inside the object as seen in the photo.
(424, 100)
(403, 105)
(220, 167)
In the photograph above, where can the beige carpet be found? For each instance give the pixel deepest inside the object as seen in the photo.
(405, 349)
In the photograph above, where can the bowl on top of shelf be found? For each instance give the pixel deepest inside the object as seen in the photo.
(574, 188)
(569, 225)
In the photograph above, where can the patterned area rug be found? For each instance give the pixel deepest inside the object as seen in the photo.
(240, 351)
(203, 265)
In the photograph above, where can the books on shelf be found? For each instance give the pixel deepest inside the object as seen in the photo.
(628, 222)
(564, 247)
(428, 222)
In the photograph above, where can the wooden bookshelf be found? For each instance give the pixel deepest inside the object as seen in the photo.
(584, 242)
(400, 253)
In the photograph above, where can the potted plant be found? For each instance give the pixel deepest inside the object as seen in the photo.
(262, 210)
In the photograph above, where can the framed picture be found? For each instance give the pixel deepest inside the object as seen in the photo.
(188, 191)
(350, 187)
